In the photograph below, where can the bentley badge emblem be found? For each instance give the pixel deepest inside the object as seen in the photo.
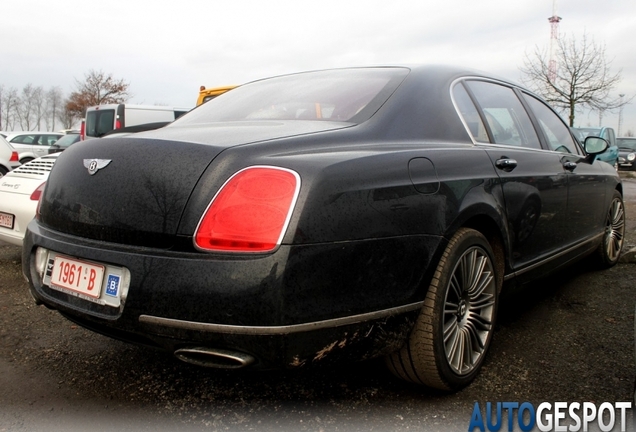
(95, 165)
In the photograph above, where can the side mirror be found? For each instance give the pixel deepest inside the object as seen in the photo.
(595, 145)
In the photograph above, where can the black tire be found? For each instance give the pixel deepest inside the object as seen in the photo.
(3, 171)
(430, 355)
(609, 250)
(25, 160)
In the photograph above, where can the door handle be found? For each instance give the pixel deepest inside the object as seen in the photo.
(506, 164)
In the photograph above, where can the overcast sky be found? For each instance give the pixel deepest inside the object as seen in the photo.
(165, 50)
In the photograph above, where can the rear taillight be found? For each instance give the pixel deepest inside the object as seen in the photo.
(35, 196)
(117, 124)
(83, 130)
(14, 157)
(251, 211)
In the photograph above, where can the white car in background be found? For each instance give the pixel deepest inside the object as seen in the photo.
(32, 144)
(20, 191)
(9, 158)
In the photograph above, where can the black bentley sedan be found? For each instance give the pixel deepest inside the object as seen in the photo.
(326, 216)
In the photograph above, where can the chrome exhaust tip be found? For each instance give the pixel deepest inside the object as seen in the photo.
(214, 358)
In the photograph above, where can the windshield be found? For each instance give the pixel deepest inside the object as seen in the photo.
(67, 140)
(626, 143)
(348, 95)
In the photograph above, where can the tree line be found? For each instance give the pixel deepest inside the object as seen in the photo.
(37, 108)
(577, 75)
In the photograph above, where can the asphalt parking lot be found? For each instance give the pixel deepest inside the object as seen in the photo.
(568, 338)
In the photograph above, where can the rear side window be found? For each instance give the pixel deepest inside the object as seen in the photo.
(507, 119)
(99, 122)
(470, 114)
(24, 139)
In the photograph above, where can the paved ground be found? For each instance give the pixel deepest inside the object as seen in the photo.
(570, 338)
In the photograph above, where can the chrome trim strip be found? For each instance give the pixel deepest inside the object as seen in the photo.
(540, 263)
(277, 330)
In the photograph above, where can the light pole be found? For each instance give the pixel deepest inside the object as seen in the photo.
(620, 115)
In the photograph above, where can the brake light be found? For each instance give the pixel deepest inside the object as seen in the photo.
(14, 157)
(251, 211)
(117, 124)
(35, 196)
(83, 130)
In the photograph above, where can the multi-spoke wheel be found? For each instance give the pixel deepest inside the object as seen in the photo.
(452, 334)
(610, 249)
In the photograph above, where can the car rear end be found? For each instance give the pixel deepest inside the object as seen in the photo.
(19, 194)
(9, 158)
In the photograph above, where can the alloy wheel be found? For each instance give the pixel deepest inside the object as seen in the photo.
(615, 229)
(469, 310)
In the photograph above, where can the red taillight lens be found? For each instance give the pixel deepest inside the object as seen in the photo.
(14, 157)
(117, 124)
(35, 196)
(83, 130)
(250, 212)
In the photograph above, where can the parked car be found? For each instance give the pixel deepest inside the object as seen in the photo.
(326, 216)
(65, 142)
(32, 144)
(19, 193)
(611, 154)
(9, 158)
(626, 153)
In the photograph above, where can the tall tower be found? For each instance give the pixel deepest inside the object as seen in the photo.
(554, 39)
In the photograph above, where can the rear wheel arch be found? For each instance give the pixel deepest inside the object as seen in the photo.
(451, 336)
(490, 229)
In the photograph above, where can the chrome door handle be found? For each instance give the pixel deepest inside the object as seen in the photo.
(506, 164)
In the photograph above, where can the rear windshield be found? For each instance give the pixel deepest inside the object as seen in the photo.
(99, 122)
(348, 95)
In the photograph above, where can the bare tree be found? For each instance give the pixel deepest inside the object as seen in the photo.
(96, 89)
(582, 79)
(39, 108)
(53, 106)
(68, 118)
(8, 104)
(27, 108)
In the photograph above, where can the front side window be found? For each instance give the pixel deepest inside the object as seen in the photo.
(555, 131)
(506, 117)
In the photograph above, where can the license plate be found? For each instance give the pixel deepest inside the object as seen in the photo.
(6, 220)
(78, 276)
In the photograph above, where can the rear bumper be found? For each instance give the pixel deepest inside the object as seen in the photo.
(297, 306)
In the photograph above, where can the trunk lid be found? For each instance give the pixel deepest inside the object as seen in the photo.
(137, 198)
